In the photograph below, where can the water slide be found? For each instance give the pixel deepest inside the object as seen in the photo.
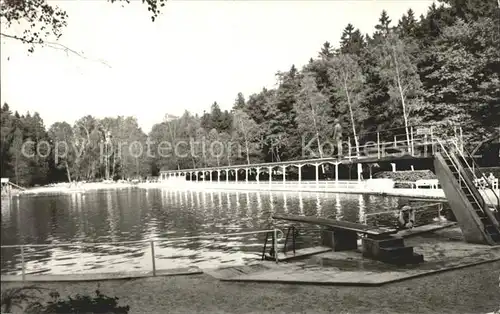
(475, 216)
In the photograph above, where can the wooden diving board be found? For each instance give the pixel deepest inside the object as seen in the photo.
(379, 244)
(428, 200)
(336, 224)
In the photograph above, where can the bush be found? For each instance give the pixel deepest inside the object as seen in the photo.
(410, 176)
(406, 175)
(17, 297)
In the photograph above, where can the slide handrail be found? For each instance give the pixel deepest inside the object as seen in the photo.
(460, 173)
(475, 168)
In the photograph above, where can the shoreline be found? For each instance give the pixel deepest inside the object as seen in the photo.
(344, 187)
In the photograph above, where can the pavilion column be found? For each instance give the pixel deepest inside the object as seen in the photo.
(236, 175)
(197, 176)
(270, 171)
(204, 173)
(218, 175)
(258, 172)
(227, 175)
(360, 171)
(284, 174)
(336, 173)
(210, 175)
(300, 173)
(246, 175)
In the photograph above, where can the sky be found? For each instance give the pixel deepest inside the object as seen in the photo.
(195, 53)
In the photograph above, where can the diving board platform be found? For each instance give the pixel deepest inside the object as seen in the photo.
(337, 224)
(378, 243)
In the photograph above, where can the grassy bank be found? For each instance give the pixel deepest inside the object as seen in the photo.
(469, 290)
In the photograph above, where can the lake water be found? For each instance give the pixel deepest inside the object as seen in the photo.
(139, 214)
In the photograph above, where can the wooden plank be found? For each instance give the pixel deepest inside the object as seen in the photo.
(336, 224)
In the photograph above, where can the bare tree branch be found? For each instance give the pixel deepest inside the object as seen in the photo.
(56, 46)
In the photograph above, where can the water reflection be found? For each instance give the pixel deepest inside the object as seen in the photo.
(318, 205)
(271, 203)
(362, 209)
(204, 200)
(111, 217)
(259, 203)
(285, 205)
(135, 214)
(338, 207)
(301, 204)
(238, 205)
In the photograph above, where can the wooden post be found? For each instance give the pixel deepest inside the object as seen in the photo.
(153, 257)
(270, 170)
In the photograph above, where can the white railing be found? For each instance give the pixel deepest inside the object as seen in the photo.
(22, 247)
(278, 184)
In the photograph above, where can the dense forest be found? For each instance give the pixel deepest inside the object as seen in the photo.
(441, 68)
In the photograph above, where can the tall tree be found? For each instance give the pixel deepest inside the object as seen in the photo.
(312, 112)
(383, 27)
(346, 73)
(326, 51)
(63, 153)
(20, 156)
(246, 129)
(407, 25)
(461, 83)
(239, 102)
(399, 70)
(352, 41)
